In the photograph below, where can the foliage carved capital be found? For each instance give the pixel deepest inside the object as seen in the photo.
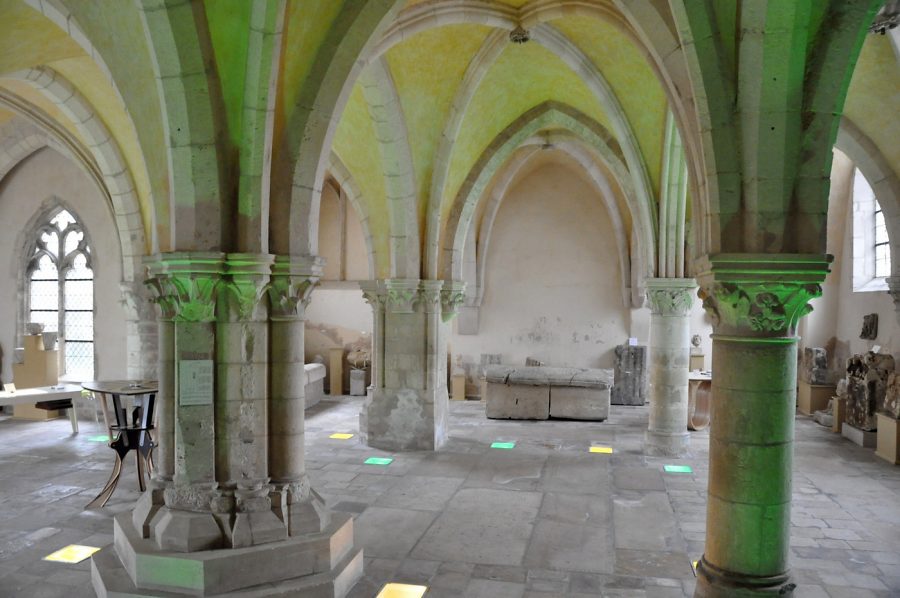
(670, 296)
(246, 286)
(185, 285)
(453, 295)
(759, 295)
(291, 284)
(402, 295)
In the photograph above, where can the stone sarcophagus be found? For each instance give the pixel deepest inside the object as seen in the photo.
(545, 392)
(867, 381)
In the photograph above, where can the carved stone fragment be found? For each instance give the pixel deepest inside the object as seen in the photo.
(867, 378)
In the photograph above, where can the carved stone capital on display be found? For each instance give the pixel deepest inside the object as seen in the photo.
(247, 281)
(431, 295)
(670, 296)
(453, 296)
(186, 285)
(402, 295)
(760, 295)
(292, 282)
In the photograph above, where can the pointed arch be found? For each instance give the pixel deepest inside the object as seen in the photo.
(884, 181)
(549, 116)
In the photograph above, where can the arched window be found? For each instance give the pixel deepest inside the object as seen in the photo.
(60, 291)
(871, 249)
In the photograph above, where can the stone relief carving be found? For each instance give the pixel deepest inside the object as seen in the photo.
(870, 327)
(867, 380)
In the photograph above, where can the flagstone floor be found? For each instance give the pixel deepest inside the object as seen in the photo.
(546, 518)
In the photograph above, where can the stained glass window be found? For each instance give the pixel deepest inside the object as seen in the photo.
(61, 290)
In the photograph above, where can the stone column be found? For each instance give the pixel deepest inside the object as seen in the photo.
(164, 453)
(755, 302)
(407, 407)
(670, 352)
(376, 295)
(292, 282)
(191, 283)
(242, 505)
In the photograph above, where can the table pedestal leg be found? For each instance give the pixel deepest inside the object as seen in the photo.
(110, 487)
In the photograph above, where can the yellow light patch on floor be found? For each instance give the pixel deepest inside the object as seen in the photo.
(73, 553)
(602, 449)
(402, 590)
(694, 567)
(341, 436)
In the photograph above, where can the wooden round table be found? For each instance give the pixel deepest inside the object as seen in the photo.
(127, 433)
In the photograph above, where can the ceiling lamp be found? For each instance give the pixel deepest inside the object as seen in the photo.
(887, 18)
(519, 35)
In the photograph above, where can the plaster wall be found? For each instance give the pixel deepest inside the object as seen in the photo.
(837, 316)
(552, 285)
(23, 193)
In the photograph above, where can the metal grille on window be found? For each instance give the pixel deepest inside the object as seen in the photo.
(61, 290)
(882, 248)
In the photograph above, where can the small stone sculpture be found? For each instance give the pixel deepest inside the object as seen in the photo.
(814, 367)
(867, 377)
(892, 396)
(632, 377)
(870, 327)
(695, 341)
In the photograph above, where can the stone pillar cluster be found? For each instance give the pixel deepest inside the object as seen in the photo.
(670, 353)
(755, 302)
(230, 469)
(407, 404)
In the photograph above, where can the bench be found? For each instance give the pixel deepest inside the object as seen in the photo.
(513, 392)
(65, 393)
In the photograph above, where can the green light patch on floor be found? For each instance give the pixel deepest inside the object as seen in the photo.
(677, 469)
(100, 438)
(401, 590)
(341, 436)
(73, 553)
(606, 450)
(378, 461)
(503, 445)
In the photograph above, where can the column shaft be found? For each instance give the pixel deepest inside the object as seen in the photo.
(164, 453)
(670, 303)
(287, 401)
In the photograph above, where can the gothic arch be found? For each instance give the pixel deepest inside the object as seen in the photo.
(549, 116)
(885, 182)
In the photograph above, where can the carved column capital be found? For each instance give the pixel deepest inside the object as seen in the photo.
(670, 296)
(292, 282)
(453, 295)
(402, 295)
(374, 293)
(760, 295)
(431, 295)
(185, 285)
(247, 280)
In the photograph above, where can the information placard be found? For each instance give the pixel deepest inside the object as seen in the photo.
(195, 382)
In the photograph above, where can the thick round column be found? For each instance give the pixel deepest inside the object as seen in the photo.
(670, 340)
(751, 447)
(755, 302)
